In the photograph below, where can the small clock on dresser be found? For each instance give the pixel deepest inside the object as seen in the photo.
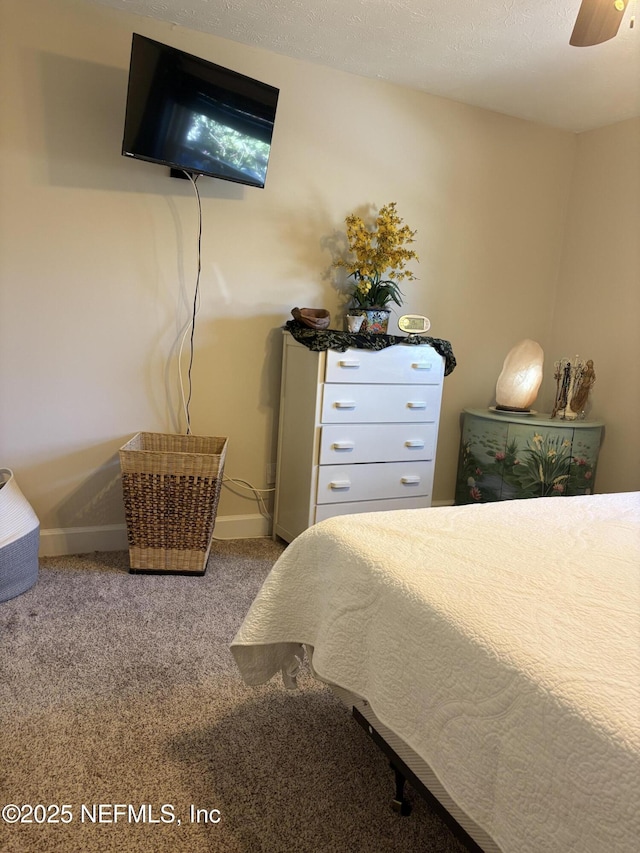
(414, 324)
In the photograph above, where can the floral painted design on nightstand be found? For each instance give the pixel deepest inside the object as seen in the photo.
(502, 459)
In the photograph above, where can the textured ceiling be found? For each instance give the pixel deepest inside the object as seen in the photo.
(512, 56)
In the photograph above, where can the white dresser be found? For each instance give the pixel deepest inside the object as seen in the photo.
(358, 432)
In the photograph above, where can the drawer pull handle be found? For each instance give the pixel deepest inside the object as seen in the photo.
(340, 484)
(346, 363)
(410, 480)
(414, 443)
(345, 404)
(417, 404)
(343, 445)
(421, 365)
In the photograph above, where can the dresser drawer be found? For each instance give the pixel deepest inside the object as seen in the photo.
(342, 444)
(331, 510)
(404, 363)
(391, 404)
(340, 483)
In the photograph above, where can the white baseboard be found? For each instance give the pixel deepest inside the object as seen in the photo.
(254, 526)
(59, 541)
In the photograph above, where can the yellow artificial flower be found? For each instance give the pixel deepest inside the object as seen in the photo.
(382, 251)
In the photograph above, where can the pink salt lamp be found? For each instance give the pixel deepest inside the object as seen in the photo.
(518, 384)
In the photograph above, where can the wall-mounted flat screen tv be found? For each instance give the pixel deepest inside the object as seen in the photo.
(195, 116)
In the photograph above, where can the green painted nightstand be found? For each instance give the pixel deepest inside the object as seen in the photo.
(507, 456)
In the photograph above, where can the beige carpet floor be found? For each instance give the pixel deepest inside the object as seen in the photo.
(118, 690)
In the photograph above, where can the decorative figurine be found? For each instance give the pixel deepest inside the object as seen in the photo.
(573, 384)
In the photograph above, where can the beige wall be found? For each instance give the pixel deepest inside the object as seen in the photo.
(597, 312)
(97, 258)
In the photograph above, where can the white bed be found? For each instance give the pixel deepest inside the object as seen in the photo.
(500, 643)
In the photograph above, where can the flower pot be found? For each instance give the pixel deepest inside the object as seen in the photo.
(376, 320)
(354, 322)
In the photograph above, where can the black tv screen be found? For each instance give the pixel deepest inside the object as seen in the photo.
(190, 114)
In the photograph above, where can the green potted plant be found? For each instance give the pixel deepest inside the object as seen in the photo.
(379, 257)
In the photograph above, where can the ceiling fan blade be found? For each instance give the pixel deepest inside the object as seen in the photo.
(597, 21)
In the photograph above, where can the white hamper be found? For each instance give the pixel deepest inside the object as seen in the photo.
(19, 539)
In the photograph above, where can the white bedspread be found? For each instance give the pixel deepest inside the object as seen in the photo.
(500, 641)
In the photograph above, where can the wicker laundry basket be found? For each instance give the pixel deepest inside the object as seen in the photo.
(171, 487)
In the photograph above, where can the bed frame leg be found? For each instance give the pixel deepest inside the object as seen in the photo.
(400, 804)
